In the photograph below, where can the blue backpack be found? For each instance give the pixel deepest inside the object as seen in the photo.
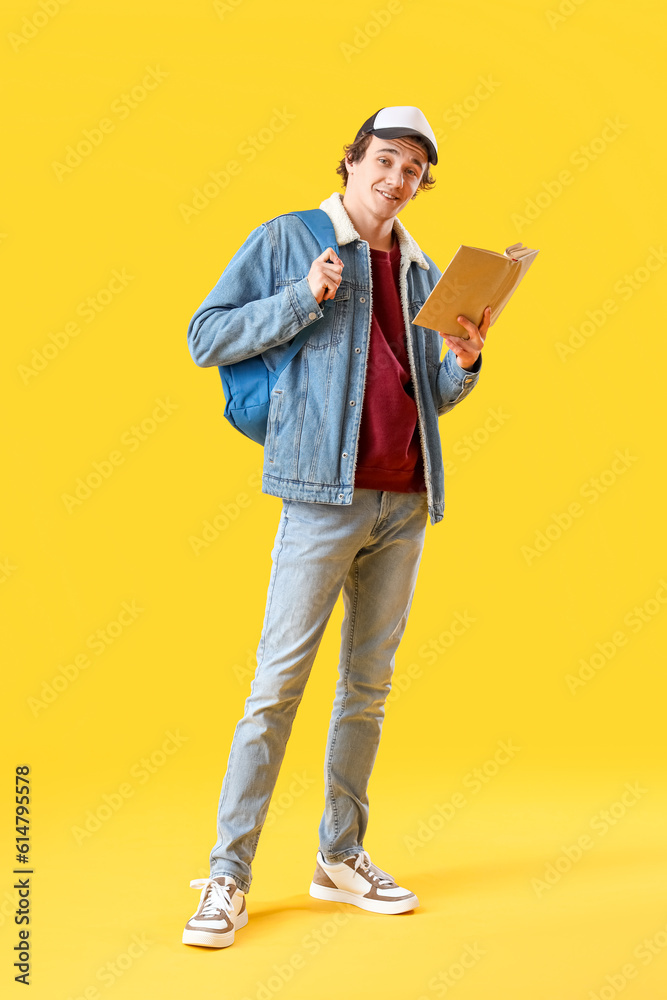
(248, 384)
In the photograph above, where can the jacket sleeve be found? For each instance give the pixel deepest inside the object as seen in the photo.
(454, 383)
(242, 316)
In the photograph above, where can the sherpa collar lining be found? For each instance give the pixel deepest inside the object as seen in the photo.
(346, 233)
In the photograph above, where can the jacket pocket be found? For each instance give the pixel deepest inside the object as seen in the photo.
(330, 330)
(273, 424)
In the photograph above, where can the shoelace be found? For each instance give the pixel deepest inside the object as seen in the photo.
(364, 862)
(217, 899)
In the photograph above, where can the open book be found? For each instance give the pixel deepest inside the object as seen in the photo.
(473, 280)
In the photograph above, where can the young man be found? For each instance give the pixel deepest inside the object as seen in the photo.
(353, 450)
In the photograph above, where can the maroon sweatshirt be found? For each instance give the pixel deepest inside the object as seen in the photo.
(389, 453)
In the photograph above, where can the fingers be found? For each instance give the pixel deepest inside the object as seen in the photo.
(468, 325)
(330, 280)
(459, 346)
(325, 275)
(331, 271)
(476, 334)
(329, 255)
(324, 282)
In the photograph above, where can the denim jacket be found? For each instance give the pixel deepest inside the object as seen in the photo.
(260, 303)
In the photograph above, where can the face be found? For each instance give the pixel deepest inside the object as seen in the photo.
(388, 176)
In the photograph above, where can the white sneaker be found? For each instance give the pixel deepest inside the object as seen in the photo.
(221, 911)
(358, 881)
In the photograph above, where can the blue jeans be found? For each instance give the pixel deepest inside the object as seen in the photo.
(371, 549)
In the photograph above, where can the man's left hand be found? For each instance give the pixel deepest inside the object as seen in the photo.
(467, 351)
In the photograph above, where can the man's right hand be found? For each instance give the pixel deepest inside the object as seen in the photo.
(324, 276)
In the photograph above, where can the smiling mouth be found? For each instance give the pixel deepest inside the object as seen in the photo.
(387, 197)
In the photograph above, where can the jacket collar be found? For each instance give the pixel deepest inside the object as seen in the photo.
(345, 231)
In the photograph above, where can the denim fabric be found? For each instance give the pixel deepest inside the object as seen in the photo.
(371, 548)
(263, 299)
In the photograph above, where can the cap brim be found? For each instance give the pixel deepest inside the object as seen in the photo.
(397, 133)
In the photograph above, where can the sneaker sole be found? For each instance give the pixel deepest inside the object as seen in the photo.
(209, 939)
(374, 905)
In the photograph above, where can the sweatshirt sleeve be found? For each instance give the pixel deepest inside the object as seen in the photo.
(244, 315)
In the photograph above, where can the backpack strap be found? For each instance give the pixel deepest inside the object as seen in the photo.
(321, 226)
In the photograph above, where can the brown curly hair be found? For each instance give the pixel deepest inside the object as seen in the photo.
(355, 152)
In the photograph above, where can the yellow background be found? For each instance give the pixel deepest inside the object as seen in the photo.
(183, 663)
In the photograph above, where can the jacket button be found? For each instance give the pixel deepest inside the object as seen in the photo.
(351, 402)
(344, 454)
(357, 350)
(312, 315)
(362, 299)
(340, 496)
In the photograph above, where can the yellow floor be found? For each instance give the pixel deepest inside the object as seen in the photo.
(494, 921)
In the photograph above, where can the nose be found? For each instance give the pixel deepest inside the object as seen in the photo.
(395, 178)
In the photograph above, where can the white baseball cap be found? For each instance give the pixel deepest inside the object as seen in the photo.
(392, 123)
